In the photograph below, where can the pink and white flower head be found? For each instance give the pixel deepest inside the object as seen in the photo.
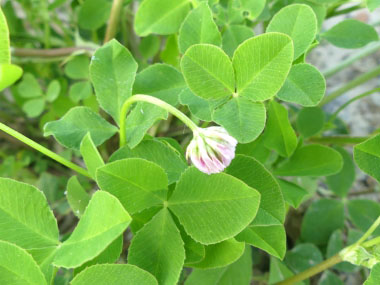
(211, 149)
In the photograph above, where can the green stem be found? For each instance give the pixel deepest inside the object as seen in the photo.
(46, 34)
(344, 11)
(368, 50)
(369, 232)
(334, 259)
(365, 94)
(117, 6)
(66, 32)
(371, 242)
(149, 99)
(46, 23)
(339, 140)
(94, 36)
(43, 150)
(124, 26)
(312, 270)
(352, 84)
(49, 53)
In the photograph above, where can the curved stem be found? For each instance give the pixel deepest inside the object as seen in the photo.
(153, 100)
(371, 242)
(312, 270)
(336, 258)
(43, 150)
(352, 84)
(117, 6)
(340, 140)
(369, 232)
(368, 50)
(365, 94)
(344, 11)
(48, 53)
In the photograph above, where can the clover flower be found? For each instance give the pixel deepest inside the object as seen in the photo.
(211, 149)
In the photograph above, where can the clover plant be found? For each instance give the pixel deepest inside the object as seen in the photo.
(191, 140)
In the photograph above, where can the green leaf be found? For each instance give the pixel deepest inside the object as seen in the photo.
(194, 251)
(310, 121)
(199, 107)
(363, 214)
(25, 217)
(76, 196)
(162, 17)
(329, 278)
(140, 120)
(5, 53)
(319, 9)
(342, 182)
(149, 46)
(170, 53)
(53, 90)
(161, 81)
(321, 219)
(255, 175)
(110, 255)
(18, 267)
(102, 222)
(163, 255)
(51, 185)
(323, 1)
(75, 124)
(112, 71)
(255, 149)
(114, 274)
(293, 193)
(233, 36)
(141, 218)
(242, 118)
(367, 156)
(266, 233)
(34, 107)
(29, 87)
(91, 155)
(252, 9)
(44, 258)
(279, 134)
(221, 254)
(138, 184)
(199, 28)
(305, 86)
(297, 21)
(230, 13)
(303, 256)
(239, 272)
(213, 208)
(312, 160)
(374, 277)
(279, 271)
(93, 14)
(208, 71)
(334, 246)
(80, 91)
(77, 67)
(157, 152)
(372, 5)
(351, 33)
(9, 74)
(260, 80)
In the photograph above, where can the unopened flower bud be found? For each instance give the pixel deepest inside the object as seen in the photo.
(211, 150)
